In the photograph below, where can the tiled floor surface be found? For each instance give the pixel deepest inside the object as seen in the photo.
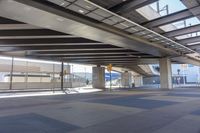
(176, 111)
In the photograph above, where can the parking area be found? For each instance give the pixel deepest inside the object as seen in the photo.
(141, 111)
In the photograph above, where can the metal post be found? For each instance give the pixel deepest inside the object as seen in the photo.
(62, 74)
(167, 9)
(185, 76)
(85, 75)
(199, 77)
(158, 6)
(11, 74)
(110, 81)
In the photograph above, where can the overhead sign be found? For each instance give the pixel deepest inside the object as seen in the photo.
(109, 67)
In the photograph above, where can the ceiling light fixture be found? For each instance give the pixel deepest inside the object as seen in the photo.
(81, 11)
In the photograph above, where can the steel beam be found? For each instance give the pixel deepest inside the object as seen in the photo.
(77, 25)
(130, 5)
(108, 60)
(66, 48)
(189, 40)
(87, 51)
(183, 31)
(92, 56)
(8, 21)
(81, 54)
(36, 37)
(196, 47)
(135, 60)
(40, 41)
(104, 57)
(100, 60)
(29, 32)
(186, 60)
(17, 26)
(181, 15)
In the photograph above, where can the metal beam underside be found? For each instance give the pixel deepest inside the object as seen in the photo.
(57, 47)
(183, 31)
(195, 47)
(105, 36)
(189, 40)
(168, 19)
(45, 41)
(35, 45)
(130, 5)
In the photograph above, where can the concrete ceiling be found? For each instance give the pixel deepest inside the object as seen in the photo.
(46, 30)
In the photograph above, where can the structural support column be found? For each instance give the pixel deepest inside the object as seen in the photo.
(138, 80)
(98, 77)
(53, 87)
(165, 73)
(126, 79)
(26, 76)
(11, 74)
(61, 75)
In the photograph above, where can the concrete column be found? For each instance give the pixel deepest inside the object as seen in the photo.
(11, 74)
(126, 79)
(62, 76)
(98, 77)
(165, 73)
(138, 80)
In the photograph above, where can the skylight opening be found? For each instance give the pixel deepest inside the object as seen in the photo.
(194, 43)
(180, 24)
(195, 34)
(161, 8)
(186, 23)
(165, 7)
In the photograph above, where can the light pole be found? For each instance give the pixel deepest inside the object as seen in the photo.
(85, 73)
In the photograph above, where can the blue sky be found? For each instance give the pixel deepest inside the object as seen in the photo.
(174, 6)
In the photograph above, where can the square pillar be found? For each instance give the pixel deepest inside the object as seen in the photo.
(138, 80)
(126, 79)
(165, 73)
(98, 77)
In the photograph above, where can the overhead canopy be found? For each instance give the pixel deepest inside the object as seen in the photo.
(94, 32)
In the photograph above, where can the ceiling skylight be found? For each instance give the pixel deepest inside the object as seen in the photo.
(161, 8)
(180, 24)
(172, 5)
(187, 22)
(188, 35)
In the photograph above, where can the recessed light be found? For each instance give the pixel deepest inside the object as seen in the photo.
(62, 4)
(81, 11)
